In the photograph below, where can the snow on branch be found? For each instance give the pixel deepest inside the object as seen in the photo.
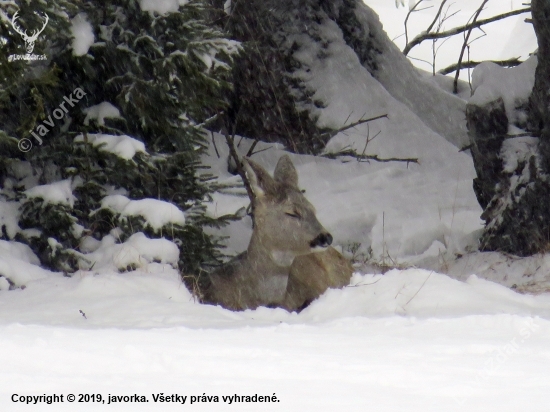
(514, 61)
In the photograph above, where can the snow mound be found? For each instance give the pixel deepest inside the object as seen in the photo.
(137, 252)
(54, 193)
(153, 296)
(19, 264)
(123, 146)
(157, 213)
(421, 293)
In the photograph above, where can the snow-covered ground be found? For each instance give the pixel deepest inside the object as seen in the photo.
(405, 341)
(408, 340)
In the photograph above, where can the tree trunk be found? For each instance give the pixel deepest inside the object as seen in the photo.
(540, 98)
(513, 184)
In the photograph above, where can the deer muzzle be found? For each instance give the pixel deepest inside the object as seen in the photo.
(324, 240)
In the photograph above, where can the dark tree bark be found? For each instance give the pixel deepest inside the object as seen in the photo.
(513, 183)
(540, 98)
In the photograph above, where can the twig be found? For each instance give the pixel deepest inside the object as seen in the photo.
(405, 23)
(351, 125)
(436, 17)
(251, 150)
(465, 44)
(214, 144)
(233, 153)
(467, 147)
(409, 301)
(364, 284)
(261, 150)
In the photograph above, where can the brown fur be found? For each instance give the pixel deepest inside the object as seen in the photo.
(311, 275)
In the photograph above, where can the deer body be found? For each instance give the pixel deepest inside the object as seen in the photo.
(311, 275)
(285, 227)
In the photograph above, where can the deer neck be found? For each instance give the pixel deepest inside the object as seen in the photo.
(268, 262)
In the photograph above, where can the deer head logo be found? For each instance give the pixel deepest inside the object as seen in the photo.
(29, 40)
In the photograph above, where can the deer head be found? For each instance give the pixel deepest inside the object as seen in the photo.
(29, 40)
(285, 220)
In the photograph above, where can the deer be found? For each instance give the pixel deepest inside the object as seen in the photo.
(289, 249)
(29, 40)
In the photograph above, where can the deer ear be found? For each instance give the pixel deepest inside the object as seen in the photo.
(261, 182)
(285, 172)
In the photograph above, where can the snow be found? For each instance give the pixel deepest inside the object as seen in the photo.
(518, 150)
(514, 85)
(9, 217)
(19, 264)
(137, 252)
(447, 335)
(417, 340)
(123, 146)
(161, 6)
(83, 34)
(100, 112)
(157, 213)
(54, 193)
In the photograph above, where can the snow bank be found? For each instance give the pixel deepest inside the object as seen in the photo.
(19, 264)
(123, 146)
(423, 294)
(153, 296)
(157, 213)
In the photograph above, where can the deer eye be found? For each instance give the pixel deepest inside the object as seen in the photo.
(294, 215)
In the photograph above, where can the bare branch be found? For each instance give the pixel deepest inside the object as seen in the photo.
(366, 158)
(352, 125)
(472, 63)
(466, 44)
(457, 30)
(233, 153)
